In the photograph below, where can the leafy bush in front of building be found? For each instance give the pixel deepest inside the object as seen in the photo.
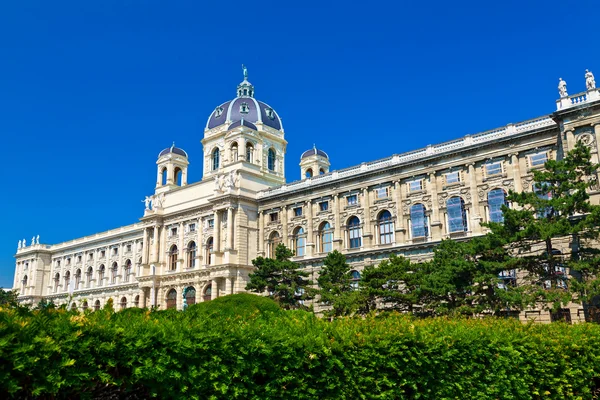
(246, 347)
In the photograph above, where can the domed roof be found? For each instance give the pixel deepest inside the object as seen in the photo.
(312, 152)
(242, 122)
(245, 107)
(173, 150)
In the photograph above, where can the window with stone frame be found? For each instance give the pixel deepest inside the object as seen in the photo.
(382, 192)
(457, 215)
(297, 211)
(299, 238)
(416, 185)
(452, 177)
(385, 225)
(352, 200)
(493, 168)
(324, 206)
(538, 159)
(325, 237)
(354, 233)
(273, 217)
(419, 223)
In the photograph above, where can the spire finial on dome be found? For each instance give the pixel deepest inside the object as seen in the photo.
(173, 144)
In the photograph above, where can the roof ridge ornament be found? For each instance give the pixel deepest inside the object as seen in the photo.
(245, 71)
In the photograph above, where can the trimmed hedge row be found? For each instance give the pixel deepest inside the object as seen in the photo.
(245, 347)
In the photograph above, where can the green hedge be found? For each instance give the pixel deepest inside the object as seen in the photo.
(245, 347)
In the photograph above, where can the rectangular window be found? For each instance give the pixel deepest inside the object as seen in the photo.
(382, 193)
(69, 261)
(298, 212)
(91, 256)
(102, 253)
(211, 223)
(128, 248)
(352, 200)
(324, 206)
(538, 159)
(273, 217)
(415, 186)
(173, 231)
(452, 177)
(78, 259)
(192, 227)
(493, 168)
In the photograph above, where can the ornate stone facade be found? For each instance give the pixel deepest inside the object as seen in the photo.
(204, 235)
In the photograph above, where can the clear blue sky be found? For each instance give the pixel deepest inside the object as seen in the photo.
(91, 91)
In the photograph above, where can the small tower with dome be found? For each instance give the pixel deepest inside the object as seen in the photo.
(245, 134)
(171, 171)
(313, 162)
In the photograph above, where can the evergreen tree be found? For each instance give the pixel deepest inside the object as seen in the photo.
(335, 286)
(558, 209)
(280, 277)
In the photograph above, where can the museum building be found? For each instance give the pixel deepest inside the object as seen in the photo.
(196, 241)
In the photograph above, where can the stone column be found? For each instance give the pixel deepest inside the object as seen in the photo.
(400, 230)
(181, 245)
(242, 149)
(214, 289)
(154, 244)
(162, 252)
(145, 247)
(570, 136)
(199, 247)
(516, 170)
(284, 230)
(217, 238)
(367, 233)
(337, 225)
(475, 211)
(309, 229)
(261, 234)
(230, 223)
(228, 288)
(436, 223)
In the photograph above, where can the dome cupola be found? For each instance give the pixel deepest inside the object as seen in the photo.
(313, 162)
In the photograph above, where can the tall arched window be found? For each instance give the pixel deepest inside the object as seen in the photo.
(234, 152)
(386, 227)
(215, 159)
(56, 282)
(249, 152)
(172, 299)
(190, 296)
(354, 279)
(496, 199)
(77, 279)
(89, 275)
(163, 176)
(418, 221)
(207, 293)
(101, 271)
(271, 160)
(325, 238)
(67, 279)
(173, 258)
(191, 254)
(84, 306)
(309, 173)
(354, 234)
(457, 215)
(123, 303)
(136, 301)
(24, 284)
(114, 272)
(177, 176)
(299, 241)
(97, 305)
(127, 270)
(209, 251)
(274, 240)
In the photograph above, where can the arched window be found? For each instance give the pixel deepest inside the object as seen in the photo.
(89, 275)
(172, 299)
(543, 192)
(177, 176)
(321, 171)
(73, 307)
(56, 282)
(354, 279)
(77, 279)
(249, 152)
(386, 227)
(309, 173)
(271, 160)
(234, 151)
(173, 258)
(274, 240)
(209, 251)
(67, 279)
(24, 284)
(97, 305)
(101, 271)
(207, 293)
(419, 221)
(114, 272)
(191, 254)
(136, 301)
(354, 234)
(457, 215)
(127, 270)
(123, 303)
(215, 159)
(325, 238)
(190, 296)
(163, 174)
(496, 199)
(84, 306)
(299, 241)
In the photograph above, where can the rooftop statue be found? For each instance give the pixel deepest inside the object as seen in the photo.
(562, 88)
(245, 70)
(590, 82)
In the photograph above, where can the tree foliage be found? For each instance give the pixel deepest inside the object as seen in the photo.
(282, 278)
(335, 286)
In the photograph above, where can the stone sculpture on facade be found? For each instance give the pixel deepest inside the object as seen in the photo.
(562, 88)
(32, 240)
(147, 202)
(158, 201)
(37, 239)
(590, 82)
(19, 245)
(24, 243)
